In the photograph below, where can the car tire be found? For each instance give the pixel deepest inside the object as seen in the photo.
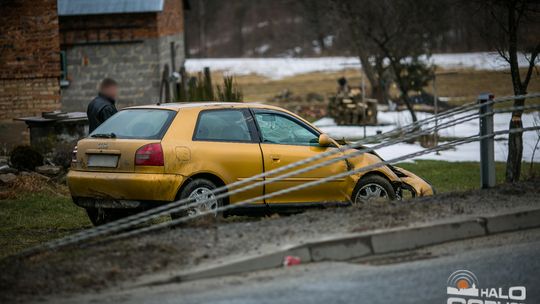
(373, 187)
(198, 187)
(100, 216)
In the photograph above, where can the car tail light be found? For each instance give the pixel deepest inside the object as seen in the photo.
(74, 155)
(149, 155)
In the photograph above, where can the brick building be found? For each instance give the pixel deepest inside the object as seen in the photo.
(29, 59)
(136, 42)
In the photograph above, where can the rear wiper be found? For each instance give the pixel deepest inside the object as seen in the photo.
(104, 135)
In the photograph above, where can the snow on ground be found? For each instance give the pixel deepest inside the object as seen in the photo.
(276, 68)
(465, 152)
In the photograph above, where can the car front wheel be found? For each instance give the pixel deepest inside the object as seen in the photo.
(373, 188)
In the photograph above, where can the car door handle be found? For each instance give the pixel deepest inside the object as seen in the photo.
(275, 157)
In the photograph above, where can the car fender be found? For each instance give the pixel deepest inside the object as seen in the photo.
(364, 160)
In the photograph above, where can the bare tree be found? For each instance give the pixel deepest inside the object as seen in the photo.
(287, 24)
(393, 35)
(202, 27)
(370, 57)
(512, 28)
(240, 13)
(314, 12)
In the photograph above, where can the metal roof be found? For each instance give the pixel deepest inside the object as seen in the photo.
(99, 7)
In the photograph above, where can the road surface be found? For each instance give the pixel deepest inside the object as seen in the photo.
(511, 259)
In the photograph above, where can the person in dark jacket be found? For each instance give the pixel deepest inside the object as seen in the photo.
(102, 107)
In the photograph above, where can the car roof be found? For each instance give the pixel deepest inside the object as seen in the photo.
(176, 106)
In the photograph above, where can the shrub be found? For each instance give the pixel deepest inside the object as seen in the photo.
(25, 158)
(200, 88)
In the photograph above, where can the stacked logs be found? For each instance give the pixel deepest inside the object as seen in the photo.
(350, 107)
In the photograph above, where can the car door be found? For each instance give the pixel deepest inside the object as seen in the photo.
(286, 139)
(225, 144)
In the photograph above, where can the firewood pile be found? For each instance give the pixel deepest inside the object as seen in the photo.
(349, 107)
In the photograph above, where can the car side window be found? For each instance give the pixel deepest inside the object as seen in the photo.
(222, 125)
(279, 129)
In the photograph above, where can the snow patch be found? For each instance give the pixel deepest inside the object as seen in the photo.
(465, 152)
(277, 68)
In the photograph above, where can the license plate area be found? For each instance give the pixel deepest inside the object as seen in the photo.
(102, 161)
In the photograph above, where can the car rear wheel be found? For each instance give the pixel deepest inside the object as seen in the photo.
(373, 188)
(201, 192)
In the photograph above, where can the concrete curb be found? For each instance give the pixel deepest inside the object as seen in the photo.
(350, 246)
(429, 234)
(523, 219)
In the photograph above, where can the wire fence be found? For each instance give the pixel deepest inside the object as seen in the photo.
(395, 136)
(321, 181)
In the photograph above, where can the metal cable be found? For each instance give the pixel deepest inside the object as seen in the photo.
(352, 154)
(149, 214)
(184, 204)
(175, 206)
(413, 125)
(321, 181)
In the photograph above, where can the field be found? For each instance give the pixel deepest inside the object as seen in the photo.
(461, 85)
(46, 212)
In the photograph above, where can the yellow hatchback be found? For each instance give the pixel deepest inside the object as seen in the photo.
(146, 156)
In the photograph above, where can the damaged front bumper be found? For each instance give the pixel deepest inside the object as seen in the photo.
(412, 183)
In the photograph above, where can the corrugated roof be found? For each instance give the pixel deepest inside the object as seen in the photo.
(99, 7)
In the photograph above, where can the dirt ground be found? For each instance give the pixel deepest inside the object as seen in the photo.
(100, 266)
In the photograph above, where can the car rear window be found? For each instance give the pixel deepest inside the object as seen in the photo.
(137, 124)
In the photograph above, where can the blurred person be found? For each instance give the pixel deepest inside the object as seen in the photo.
(343, 86)
(102, 107)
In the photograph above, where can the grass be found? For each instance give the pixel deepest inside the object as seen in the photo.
(34, 218)
(459, 176)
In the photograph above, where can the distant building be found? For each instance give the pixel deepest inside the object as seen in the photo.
(29, 60)
(137, 42)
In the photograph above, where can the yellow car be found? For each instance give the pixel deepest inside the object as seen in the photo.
(146, 156)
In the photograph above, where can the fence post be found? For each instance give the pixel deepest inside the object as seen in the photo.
(487, 152)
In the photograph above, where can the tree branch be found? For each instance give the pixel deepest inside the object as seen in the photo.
(532, 64)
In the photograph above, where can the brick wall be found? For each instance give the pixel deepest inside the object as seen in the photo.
(122, 27)
(107, 28)
(29, 58)
(171, 20)
(28, 97)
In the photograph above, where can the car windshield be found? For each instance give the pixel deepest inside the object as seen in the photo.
(136, 124)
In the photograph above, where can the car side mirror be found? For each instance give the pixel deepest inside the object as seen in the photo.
(325, 140)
